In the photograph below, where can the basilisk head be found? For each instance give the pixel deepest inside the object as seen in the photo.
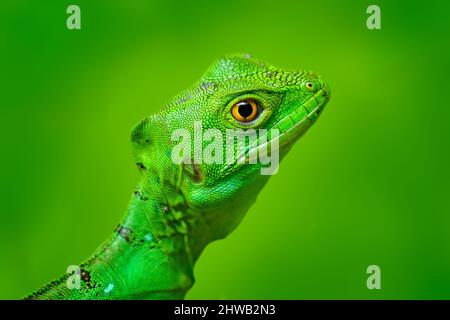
(179, 207)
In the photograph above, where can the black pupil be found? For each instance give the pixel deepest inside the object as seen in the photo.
(245, 109)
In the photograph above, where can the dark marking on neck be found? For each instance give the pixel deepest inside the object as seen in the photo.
(140, 195)
(126, 233)
(86, 277)
(141, 166)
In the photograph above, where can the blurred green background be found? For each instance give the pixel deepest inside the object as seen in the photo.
(369, 183)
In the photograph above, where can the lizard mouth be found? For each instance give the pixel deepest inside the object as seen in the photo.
(290, 128)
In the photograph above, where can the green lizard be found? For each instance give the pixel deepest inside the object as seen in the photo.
(178, 208)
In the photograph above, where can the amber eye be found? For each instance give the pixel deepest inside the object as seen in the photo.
(309, 86)
(245, 111)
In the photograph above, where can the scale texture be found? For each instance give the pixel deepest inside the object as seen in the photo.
(178, 208)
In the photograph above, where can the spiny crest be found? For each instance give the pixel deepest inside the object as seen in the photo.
(243, 66)
(229, 67)
(235, 66)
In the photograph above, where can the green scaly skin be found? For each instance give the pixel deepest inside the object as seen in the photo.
(176, 210)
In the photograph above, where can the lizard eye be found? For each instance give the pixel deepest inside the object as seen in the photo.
(310, 86)
(245, 110)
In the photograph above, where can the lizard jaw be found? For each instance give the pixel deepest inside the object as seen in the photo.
(302, 118)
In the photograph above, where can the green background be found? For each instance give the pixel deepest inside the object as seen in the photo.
(368, 184)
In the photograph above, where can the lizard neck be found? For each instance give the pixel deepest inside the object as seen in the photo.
(151, 250)
(151, 254)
